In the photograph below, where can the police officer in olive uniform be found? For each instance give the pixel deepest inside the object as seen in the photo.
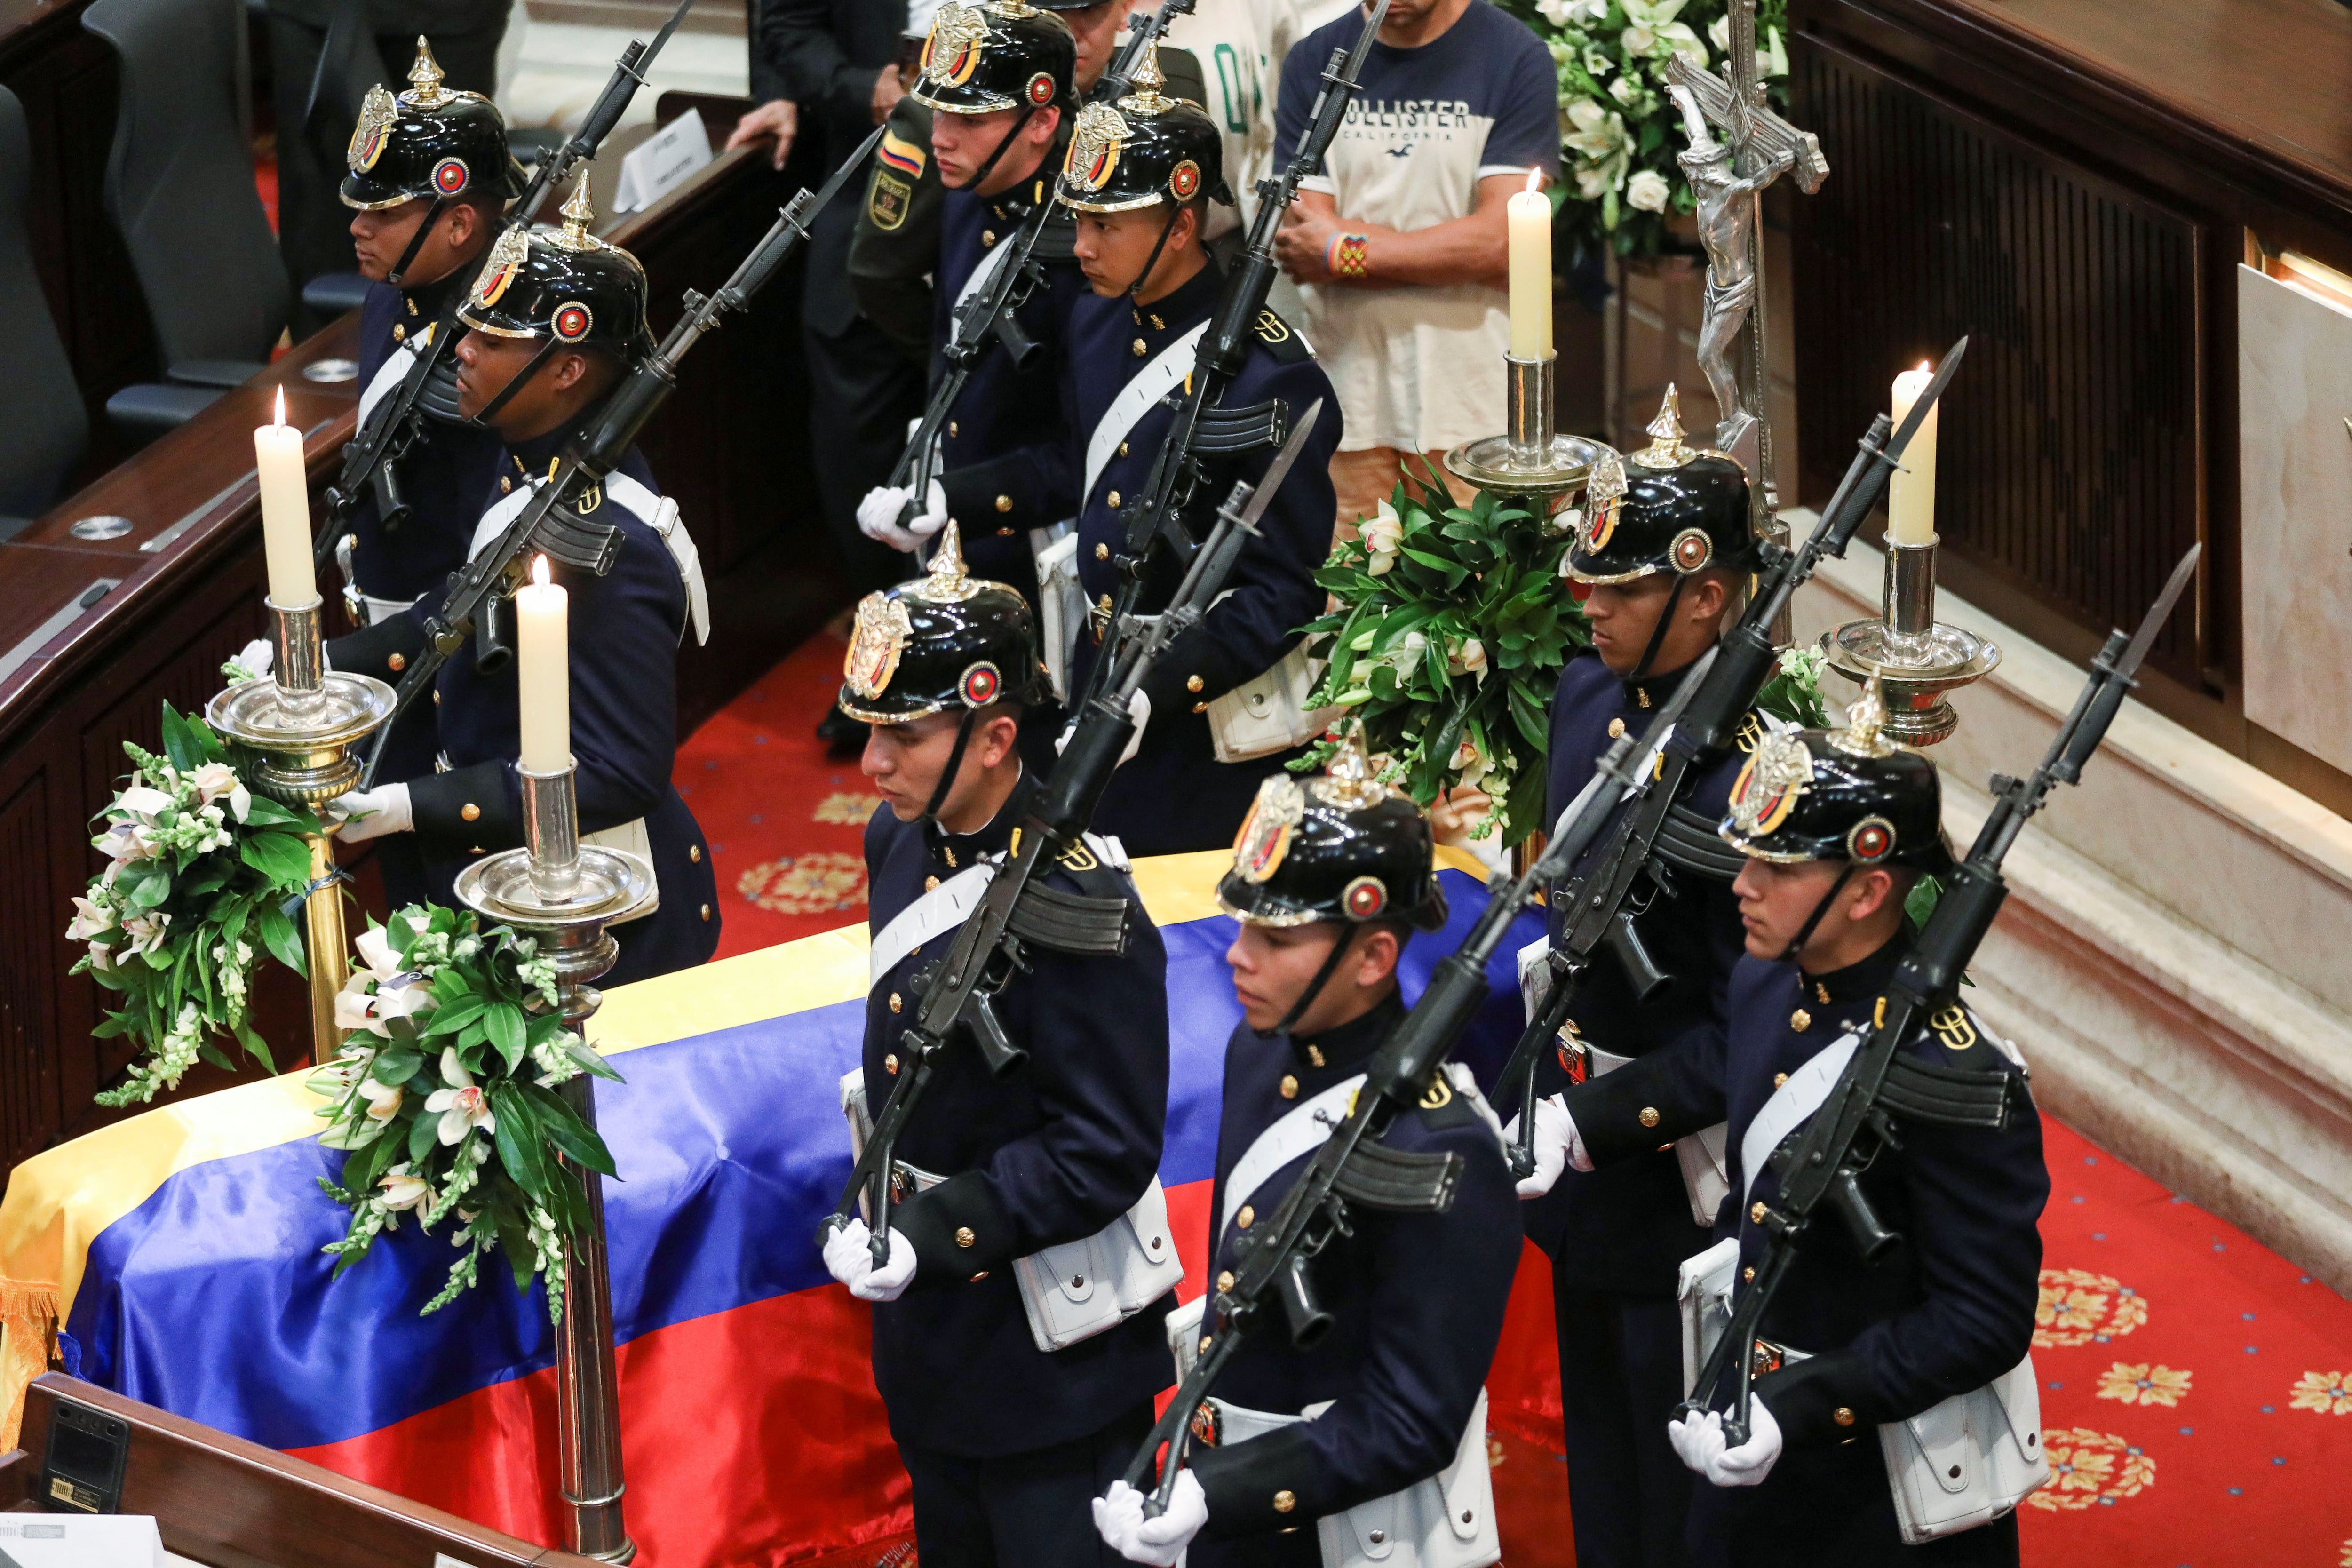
(1838, 825)
(555, 323)
(1331, 878)
(1140, 174)
(999, 82)
(1006, 1440)
(1661, 561)
(891, 259)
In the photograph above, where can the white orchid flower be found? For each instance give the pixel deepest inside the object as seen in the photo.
(1559, 12)
(1648, 190)
(1384, 530)
(462, 1105)
(401, 1190)
(89, 919)
(384, 1099)
(123, 842)
(375, 951)
(145, 803)
(146, 931)
(1469, 659)
(218, 781)
(1720, 31)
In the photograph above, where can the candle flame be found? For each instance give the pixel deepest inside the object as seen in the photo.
(1925, 368)
(282, 405)
(538, 570)
(1535, 179)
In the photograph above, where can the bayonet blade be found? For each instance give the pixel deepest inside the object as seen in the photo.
(1936, 385)
(1279, 469)
(2158, 612)
(646, 61)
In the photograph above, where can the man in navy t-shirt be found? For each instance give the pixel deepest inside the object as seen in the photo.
(1399, 241)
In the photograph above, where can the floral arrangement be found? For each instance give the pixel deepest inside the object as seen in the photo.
(1619, 132)
(444, 1096)
(202, 876)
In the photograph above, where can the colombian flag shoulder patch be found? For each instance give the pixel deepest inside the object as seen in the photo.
(903, 155)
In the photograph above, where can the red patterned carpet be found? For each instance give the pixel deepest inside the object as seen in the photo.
(2196, 1388)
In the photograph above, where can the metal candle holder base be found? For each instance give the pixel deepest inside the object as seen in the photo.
(1532, 460)
(567, 895)
(1916, 660)
(293, 735)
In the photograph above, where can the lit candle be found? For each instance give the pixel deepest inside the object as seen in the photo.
(543, 672)
(1911, 495)
(1530, 227)
(285, 511)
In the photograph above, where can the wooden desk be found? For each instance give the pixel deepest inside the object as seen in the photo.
(731, 446)
(227, 1503)
(2074, 182)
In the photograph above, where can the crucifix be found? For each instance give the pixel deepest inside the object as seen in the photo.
(1727, 176)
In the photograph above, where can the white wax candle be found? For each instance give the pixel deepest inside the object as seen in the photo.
(1911, 494)
(543, 671)
(1530, 229)
(285, 511)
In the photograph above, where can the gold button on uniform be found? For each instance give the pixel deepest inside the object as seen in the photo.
(470, 812)
(1206, 1341)
(1247, 1217)
(1122, 448)
(1004, 503)
(1284, 1502)
(398, 662)
(895, 1002)
(952, 428)
(1113, 498)
(505, 485)
(1747, 1274)
(1138, 348)
(1287, 1088)
(437, 697)
(1841, 1416)
(1757, 1213)
(706, 914)
(694, 853)
(987, 236)
(1616, 728)
(890, 1064)
(1102, 552)
(1199, 708)
(1225, 1280)
(964, 1237)
(1103, 604)
(1649, 1117)
(1800, 1020)
(1193, 683)
(1778, 1078)
(399, 333)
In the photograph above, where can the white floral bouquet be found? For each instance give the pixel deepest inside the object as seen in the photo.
(443, 1094)
(1619, 132)
(202, 878)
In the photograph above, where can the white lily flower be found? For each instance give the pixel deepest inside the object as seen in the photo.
(1469, 658)
(124, 842)
(462, 1105)
(146, 930)
(100, 956)
(89, 919)
(1720, 31)
(218, 781)
(145, 803)
(1382, 531)
(375, 953)
(1648, 190)
(1559, 12)
(1597, 63)
(401, 1190)
(384, 1099)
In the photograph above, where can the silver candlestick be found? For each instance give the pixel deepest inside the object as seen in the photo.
(568, 895)
(294, 734)
(1531, 460)
(1916, 660)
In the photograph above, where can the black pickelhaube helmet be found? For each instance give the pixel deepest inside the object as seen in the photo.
(568, 285)
(1839, 795)
(945, 642)
(978, 60)
(1147, 148)
(430, 142)
(1343, 846)
(1667, 508)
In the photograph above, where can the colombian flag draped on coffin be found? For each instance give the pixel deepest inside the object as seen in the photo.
(182, 1249)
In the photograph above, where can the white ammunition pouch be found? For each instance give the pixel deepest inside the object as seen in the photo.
(1706, 1178)
(1073, 1291)
(1269, 713)
(1061, 602)
(1446, 1521)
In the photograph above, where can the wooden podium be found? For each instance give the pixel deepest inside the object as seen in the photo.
(224, 1503)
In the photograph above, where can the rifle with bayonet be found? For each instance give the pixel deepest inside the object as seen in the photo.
(371, 458)
(1273, 1284)
(1204, 427)
(546, 522)
(992, 312)
(1820, 1169)
(1597, 912)
(959, 992)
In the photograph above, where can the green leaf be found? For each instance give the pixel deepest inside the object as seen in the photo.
(284, 943)
(255, 1043)
(523, 1147)
(503, 1020)
(281, 857)
(264, 812)
(396, 1064)
(183, 748)
(423, 1132)
(566, 1131)
(590, 1061)
(452, 1017)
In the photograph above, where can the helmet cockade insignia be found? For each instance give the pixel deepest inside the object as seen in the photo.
(504, 266)
(980, 685)
(571, 320)
(1365, 898)
(1094, 146)
(959, 36)
(1779, 770)
(1265, 833)
(1870, 841)
(449, 176)
(1184, 179)
(875, 644)
(1692, 548)
(377, 112)
(1041, 89)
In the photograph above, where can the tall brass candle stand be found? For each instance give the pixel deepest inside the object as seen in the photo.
(1916, 660)
(567, 895)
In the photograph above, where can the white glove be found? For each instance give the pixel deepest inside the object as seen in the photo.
(849, 1256)
(877, 515)
(371, 813)
(1699, 1443)
(1556, 1145)
(1139, 708)
(256, 658)
(1119, 1518)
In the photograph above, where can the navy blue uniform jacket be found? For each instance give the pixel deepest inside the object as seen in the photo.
(1052, 1151)
(1417, 1303)
(1626, 1226)
(624, 631)
(442, 475)
(1175, 795)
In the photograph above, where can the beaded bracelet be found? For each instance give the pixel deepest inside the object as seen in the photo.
(1349, 256)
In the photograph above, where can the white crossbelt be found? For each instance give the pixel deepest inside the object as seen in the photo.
(988, 267)
(1305, 1127)
(390, 373)
(1791, 1104)
(656, 513)
(1150, 384)
(939, 911)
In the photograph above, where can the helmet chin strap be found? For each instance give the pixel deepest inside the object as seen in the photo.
(1805, 932)
(1158, 246)
(955, 763)
(415, 243)
(1003, 142)
(1658, 631)
(1322, 978)
(490, 409)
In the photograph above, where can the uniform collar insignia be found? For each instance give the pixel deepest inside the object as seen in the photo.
(1860, 981)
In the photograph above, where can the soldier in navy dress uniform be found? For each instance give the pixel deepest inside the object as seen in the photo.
(999, 86)
(1004, 1440)
(1331, 877)
(555, 322)
(1141, 173)
(1663, 561)
(1838, 827)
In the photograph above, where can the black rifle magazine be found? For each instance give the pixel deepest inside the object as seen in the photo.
(1070, 922)
(1399, 1181)
(1947, 1097)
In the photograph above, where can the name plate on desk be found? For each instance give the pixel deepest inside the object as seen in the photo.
(118, 1541)
(662, 163)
